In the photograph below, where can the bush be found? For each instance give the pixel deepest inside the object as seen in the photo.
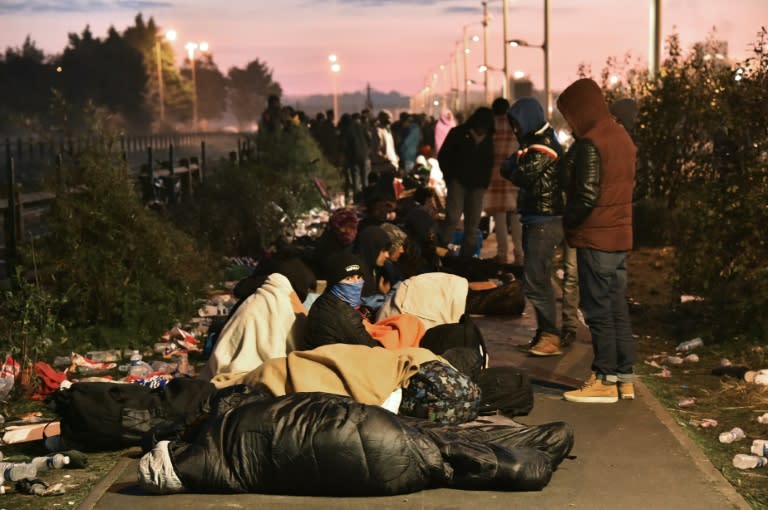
(243, 209)
(116, 263)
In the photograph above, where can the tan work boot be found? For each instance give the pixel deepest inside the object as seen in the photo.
(626, 391)
(594, 391)
(548, 345)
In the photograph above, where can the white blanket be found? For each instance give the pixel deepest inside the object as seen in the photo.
(435, 298)
(265, 326)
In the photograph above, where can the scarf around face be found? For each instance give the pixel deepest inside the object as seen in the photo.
(349, 292)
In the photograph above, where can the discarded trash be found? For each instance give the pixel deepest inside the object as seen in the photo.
(690, 345)
(105, 356)
(757, 376)
(687, 298)
(725, 362)
(12, 472)
(692, 358)
(745, 461)
(760, 447)
(704, 423)
(664, 373)
(56, 461)
(686, 402)
(763, 418)
(39, 488)
(735, 434)
(653, 363)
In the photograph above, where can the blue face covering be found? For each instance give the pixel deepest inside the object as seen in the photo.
(349, 292)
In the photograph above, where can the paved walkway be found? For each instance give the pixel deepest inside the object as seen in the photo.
(628, 455)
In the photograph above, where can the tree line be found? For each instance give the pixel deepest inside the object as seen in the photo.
(120, 74)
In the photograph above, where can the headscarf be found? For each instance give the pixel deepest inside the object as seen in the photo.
(345, 217)
(445, 123)
(370, 243)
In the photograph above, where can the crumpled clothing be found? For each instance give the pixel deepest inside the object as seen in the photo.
(156, 472)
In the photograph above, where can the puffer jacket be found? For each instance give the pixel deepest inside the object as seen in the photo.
(328, 445)
(533, 168)
(332, 321)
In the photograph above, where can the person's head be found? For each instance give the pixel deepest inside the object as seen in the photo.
(583, 105)
(500, 106)
(345, 278)
(446, 117)
(343, 224)
(481, 121)
(397, 238)
(373, 246)
(526, 116)
(385, 118)
(273, 100)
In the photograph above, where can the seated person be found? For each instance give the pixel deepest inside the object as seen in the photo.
(338, 237)
(373, 247)
(390, 271)
(335, 315)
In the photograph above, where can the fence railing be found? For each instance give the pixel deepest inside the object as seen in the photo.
(166, 168)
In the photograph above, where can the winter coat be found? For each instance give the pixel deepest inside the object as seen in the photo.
(332, 320)
(462, 159)
(598, 172)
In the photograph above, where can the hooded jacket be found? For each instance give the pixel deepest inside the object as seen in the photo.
(462, 159)
(598, 172)
(534, 166)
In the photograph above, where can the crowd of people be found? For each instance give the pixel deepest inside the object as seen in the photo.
(420, 186)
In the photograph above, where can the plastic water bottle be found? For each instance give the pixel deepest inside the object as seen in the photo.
(760, 447)
(735, 434)
(137, 367)
(690, 345)
(745, 461)
(56, 461)
(13, 472)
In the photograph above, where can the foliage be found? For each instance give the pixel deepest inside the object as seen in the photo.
(249, 89)
(243, 209)
(117, 263)
(25, 76)
(703, 150)
(211, 87)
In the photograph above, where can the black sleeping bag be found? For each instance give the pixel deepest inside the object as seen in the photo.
(328, 445)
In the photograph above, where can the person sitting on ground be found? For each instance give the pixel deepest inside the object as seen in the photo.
(390, 272)
(334, 316)
(338, 237)
(372, 246)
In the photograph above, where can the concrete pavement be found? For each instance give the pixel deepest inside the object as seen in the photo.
(629, 455)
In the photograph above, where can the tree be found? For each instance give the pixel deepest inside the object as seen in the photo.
(211, 87)
(25, 84)
(249, 89)
(177, 92)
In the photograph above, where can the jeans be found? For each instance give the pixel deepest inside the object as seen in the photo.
(570, 289)
(506, 224)
(603, 286)
(539, 243)
(468, 201)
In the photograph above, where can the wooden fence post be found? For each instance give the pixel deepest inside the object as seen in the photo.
(202, 159)
(11, 248)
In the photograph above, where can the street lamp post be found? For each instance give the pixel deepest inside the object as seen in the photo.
(545, 47)
(335, 68)
(485, 49)
(170, 35)
(191, 48)
(466, 61)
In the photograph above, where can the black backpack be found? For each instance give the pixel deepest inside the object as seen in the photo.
(504, 390)
(455, 337)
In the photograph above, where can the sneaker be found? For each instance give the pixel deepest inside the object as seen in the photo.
(527, 347)
(548, 345)
(627, 391)
(594, 391)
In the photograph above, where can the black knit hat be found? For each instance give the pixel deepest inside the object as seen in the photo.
(342, 265)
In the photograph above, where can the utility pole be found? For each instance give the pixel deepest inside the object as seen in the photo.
(654, 50)
(505, 68)
(485, 51)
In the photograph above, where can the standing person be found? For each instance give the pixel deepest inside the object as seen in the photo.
(466, 159)
(500, 199)
(445, 123)
(534, 169)
(410, 140)
(599, 173)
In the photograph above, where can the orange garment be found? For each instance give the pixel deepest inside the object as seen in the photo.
(396, 331)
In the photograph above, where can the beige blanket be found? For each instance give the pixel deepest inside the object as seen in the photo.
(435, 298)
(263, 327)
(367, 374)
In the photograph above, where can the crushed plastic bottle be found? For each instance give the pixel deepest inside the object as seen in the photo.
(13, 472)
(735, 434)
(745, 461)
(760, 447)
(690, 345)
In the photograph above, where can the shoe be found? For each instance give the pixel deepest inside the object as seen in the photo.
(594, 391)
(527, 347)
(567, 338)
(548, 345)
(627, 391)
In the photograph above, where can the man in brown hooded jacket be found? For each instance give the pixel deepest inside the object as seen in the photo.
(598, 174)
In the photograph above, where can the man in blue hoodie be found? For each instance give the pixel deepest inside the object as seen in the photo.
(533, 168)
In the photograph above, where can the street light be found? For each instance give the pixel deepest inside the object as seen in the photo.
(191, 47)
(543, 46)
(170, 35)
(466, 54)
(335, 68)
(485, 70)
